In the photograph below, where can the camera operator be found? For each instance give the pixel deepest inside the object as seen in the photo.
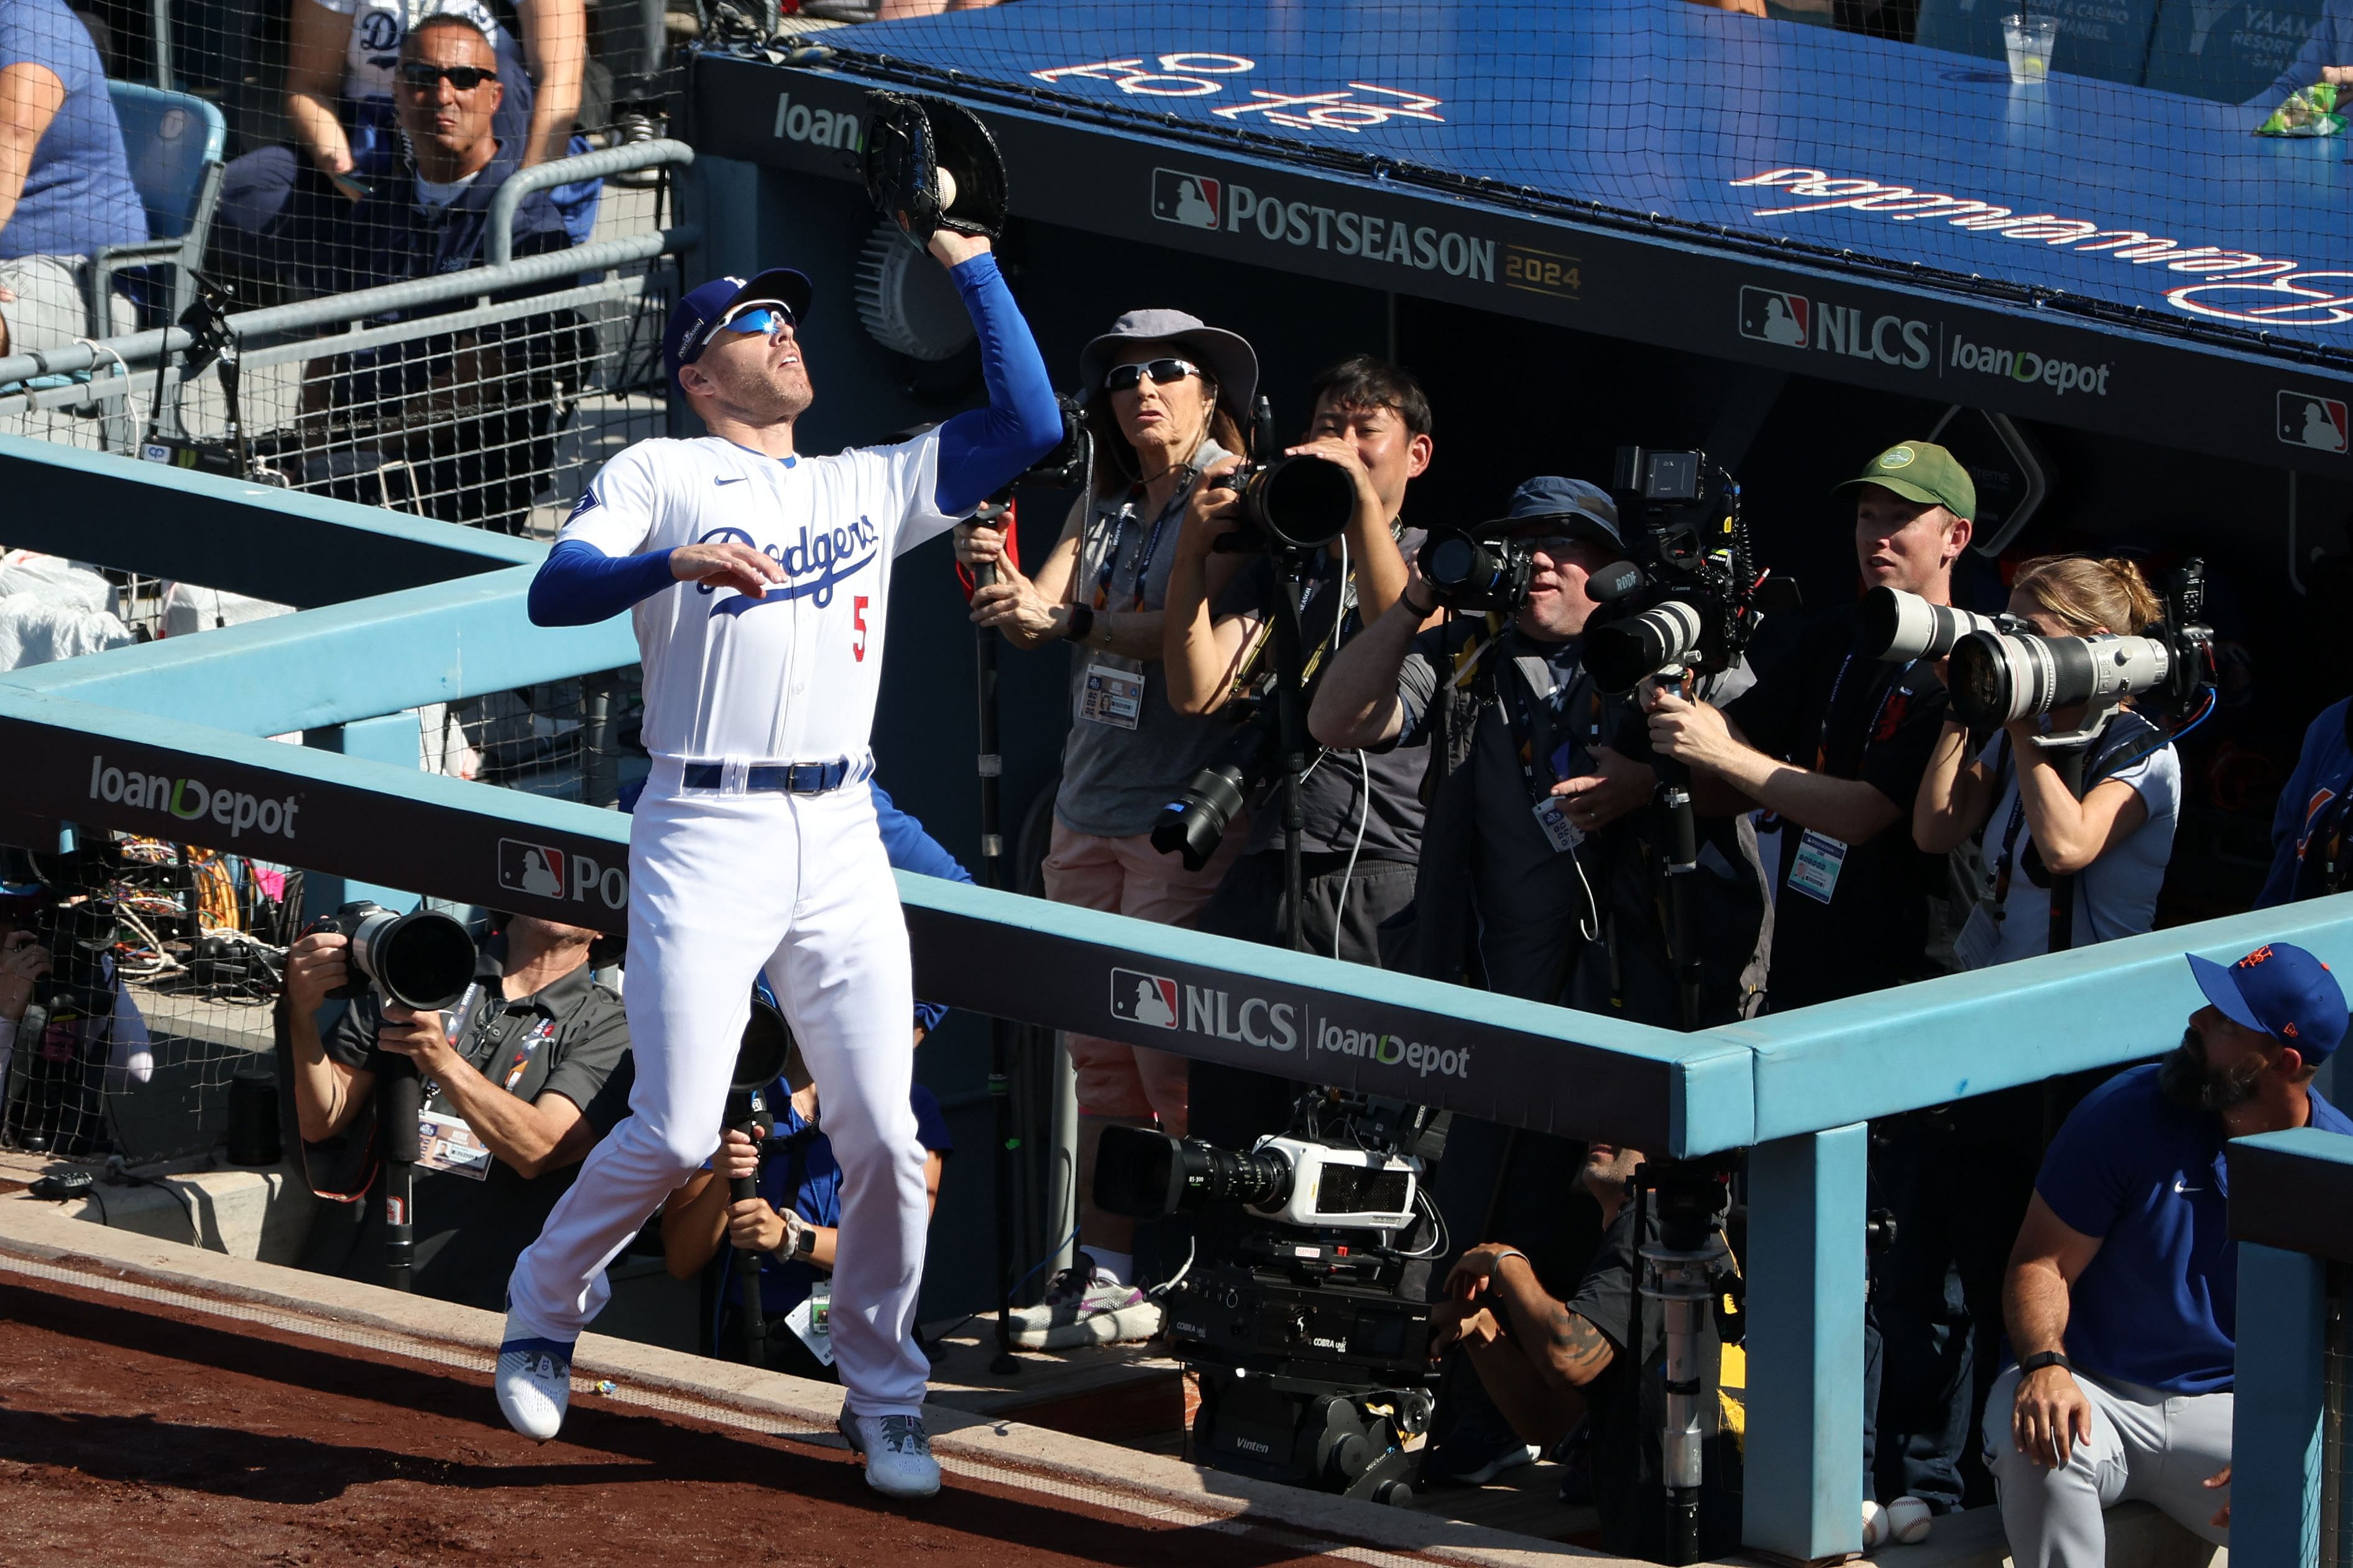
(1550, 1366)
(1361, 830)
(1835, 744)
(2310, 843)
(1526, 735)
(2122, 1295)
(88, 1038)
(520, 1096)
(2106, 841)
(1166, 400)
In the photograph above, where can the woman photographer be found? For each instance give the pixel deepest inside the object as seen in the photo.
(1166, 399)
(2105, 843)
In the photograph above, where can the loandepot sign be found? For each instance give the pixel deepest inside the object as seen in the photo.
(192, 800)
(2235, 285)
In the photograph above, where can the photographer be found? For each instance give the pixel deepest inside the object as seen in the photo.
(68, 1033)
(1363, 811)
(515, 1101)
(1166, 398)
(1550, 1366)
(2099, 847)
(1565, 913)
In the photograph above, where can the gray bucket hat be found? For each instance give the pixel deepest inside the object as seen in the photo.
(1224, 355)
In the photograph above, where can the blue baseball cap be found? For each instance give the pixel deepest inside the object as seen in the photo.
(1548, 496)
(2281, 991)
(694, 318)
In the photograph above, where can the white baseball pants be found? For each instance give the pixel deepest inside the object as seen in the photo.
(2147, 1445)
(723, 885)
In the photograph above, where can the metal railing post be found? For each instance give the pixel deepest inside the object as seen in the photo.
(1802, 1480)
(2275, 1418)
(499, 236)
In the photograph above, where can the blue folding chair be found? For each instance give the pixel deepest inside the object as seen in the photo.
(174, 141)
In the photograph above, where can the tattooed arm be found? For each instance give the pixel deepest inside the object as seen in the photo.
(1568, 1351)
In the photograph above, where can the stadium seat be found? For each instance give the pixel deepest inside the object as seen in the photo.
(2108, 41)
(2228, 52)
(174, 141)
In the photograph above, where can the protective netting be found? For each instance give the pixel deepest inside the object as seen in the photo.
(2112, 163)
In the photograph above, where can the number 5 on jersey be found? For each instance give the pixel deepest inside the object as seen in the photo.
(858, 619)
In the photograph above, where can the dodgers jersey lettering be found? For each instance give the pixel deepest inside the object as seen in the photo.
(791, 676)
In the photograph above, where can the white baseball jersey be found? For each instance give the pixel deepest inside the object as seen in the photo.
(790, 677)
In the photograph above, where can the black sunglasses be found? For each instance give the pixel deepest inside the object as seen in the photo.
(423, 76)
(1127, 377)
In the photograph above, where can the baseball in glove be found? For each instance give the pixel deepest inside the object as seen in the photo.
(932, 164)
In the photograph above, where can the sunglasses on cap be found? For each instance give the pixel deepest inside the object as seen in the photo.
(423, 75)
(1127, 377)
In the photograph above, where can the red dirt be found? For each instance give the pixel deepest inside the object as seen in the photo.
(149, 1437)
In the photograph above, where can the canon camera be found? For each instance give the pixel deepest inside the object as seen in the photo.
(424, 960)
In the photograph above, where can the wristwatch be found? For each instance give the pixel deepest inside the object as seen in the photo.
(1081, 624)
(800, 1240)
(2042, 1359)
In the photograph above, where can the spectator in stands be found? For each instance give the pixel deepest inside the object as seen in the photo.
(464, 422)
(522, 1085)
(1166, 399)
(1553, 1366)
(342, 96)
(2312, 851)
(2100, 845)
(65, 183)
(2122, 1289)
(2327, 56)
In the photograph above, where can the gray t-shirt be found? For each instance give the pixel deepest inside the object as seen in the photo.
(1116, 780)
(1333, 797)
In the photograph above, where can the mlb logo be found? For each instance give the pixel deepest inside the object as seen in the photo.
(2308, 419)
(1141, 998)
(1772, 317)
(1196, 201)
(534, 868)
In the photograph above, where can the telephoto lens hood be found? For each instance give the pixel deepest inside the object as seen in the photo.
(422, 959)
(1301, 501)
(1897, 626)
(767, 1051)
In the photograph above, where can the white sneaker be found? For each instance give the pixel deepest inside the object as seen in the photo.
(899, 1461)
(534, 1383)
(1086, 1306)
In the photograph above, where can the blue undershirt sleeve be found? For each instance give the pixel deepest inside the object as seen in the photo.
(982, 450)
(579, 585)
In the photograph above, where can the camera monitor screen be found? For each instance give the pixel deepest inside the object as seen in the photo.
(1360, 1189)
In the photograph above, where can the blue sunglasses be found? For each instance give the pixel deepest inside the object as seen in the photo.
(763, 318)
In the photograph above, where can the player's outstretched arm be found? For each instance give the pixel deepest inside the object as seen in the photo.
(579, 585)
(980, 450)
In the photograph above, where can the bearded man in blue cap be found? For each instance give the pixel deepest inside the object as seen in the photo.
(2123, 1291)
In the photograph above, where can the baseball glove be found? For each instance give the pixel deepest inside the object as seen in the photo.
(932, 164)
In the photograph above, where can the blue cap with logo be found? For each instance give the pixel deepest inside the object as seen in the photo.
(1548, 496)
(2279, 990)
(695, 317)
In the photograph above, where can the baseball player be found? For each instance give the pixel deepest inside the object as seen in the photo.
(758, 579)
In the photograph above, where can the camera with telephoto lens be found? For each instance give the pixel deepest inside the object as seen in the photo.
(1300, 1314)
(1689, 605)
(1299, 501)
(1897, 626)
(422, 959)
(1195, 823)
(1998, 676)
(1469, 571)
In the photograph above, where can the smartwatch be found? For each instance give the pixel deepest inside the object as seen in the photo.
(1081, 624)
(2042, 1359)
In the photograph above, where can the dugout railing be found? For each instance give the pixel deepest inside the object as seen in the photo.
(1796, 1090)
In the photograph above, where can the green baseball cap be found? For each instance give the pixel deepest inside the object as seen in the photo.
(1925, 472)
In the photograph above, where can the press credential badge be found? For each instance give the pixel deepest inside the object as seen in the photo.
(1113, 696)
(1815, 872)
(812, 1321)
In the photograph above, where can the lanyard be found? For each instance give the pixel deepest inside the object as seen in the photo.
(1532, 732)
(1870, 732)
(1144, 559)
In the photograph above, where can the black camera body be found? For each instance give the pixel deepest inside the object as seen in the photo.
(1693, 607)
(1471, 573)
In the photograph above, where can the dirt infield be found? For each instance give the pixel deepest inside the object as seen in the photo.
(138, 1438)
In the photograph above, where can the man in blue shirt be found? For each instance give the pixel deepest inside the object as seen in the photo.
(64, 184)
(2310, 852)
(2123, 1291)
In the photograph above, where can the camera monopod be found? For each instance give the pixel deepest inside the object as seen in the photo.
(1679, 1271)
(759, 1061)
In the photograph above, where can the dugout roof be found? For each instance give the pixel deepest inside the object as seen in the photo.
(2090, 251)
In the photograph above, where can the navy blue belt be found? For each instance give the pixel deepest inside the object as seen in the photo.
(792, 778)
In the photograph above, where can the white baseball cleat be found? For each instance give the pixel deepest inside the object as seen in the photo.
(534, 1383)
(899, 1461)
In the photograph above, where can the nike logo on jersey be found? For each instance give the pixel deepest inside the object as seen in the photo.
(814, 565)
(736, 481)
